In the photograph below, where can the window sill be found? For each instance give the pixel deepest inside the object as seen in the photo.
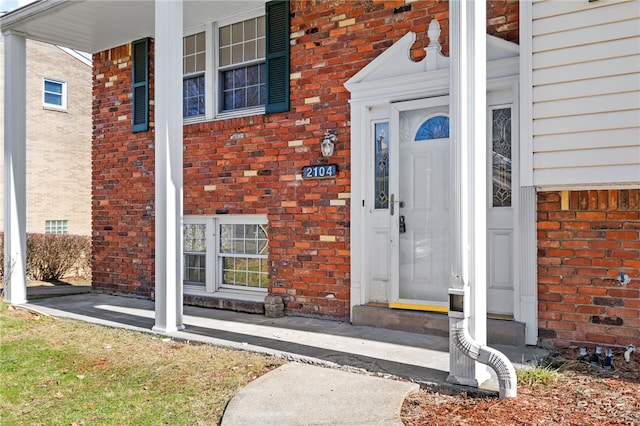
(247, 296)
(54, 108)
(224, 116)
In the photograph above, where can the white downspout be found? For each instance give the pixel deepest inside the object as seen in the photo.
(464, 348)
(468, 304)
(507, 378)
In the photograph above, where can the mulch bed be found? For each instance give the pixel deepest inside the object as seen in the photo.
(583, 394)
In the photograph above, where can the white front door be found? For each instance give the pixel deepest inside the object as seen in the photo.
(420, 208)
(420, 205)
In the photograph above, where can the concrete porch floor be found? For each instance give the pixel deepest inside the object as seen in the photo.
(421, 358)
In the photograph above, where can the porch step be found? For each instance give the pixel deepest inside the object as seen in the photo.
(501, 332)
(250, 307)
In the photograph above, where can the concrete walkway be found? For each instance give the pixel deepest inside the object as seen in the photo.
(342, 374)
(303, 394)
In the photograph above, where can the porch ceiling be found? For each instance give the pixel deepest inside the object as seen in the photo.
(95, 25)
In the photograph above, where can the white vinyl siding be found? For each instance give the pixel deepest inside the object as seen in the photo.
(586, 93)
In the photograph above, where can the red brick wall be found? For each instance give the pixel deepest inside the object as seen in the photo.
(122, 181)
(503, 19)
(249, 165)
(581, 251)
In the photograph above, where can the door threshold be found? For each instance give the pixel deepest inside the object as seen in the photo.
(417, 307)
(378, 304)
(501, 317)
(437, 309)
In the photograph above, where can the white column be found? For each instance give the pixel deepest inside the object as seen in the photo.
(467, 21)
(168, 165)
(15, 166)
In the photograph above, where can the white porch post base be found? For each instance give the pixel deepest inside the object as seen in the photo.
(168, 165)
(528, 266)
(15, 165)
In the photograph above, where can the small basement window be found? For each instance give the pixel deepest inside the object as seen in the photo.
(56, 227)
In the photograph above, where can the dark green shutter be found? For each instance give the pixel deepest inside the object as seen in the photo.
(140, 101)
(277, 60)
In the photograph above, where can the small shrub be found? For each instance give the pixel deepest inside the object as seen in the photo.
(52, 256)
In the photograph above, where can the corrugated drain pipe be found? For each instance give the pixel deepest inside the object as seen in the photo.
(507, 379)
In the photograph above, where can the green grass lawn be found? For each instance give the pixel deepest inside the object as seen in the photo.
(66, 372)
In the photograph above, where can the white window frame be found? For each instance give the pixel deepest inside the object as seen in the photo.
(211, 74)
(213, 272)
(63, 84)
(185, 253)
(207, 67)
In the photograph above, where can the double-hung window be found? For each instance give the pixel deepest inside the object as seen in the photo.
(195, 254)
(224, 69)
(226, 65)
(54, 94)
(194, 66)
(226, 254)
(231, 67)
(241, 54)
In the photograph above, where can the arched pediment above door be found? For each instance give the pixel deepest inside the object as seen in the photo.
(394, 75)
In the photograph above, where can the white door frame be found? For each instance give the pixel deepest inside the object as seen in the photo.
(394, 77)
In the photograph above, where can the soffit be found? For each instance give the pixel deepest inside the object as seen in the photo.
(96, 25)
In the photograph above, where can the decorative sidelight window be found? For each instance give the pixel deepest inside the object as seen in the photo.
(501, 157)
(381, 174)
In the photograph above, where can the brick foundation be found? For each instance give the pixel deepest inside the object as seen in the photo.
(585, 240)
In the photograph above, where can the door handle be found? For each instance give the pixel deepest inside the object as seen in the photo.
(392, 203)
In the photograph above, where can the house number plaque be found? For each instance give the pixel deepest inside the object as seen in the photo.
(321, 171)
